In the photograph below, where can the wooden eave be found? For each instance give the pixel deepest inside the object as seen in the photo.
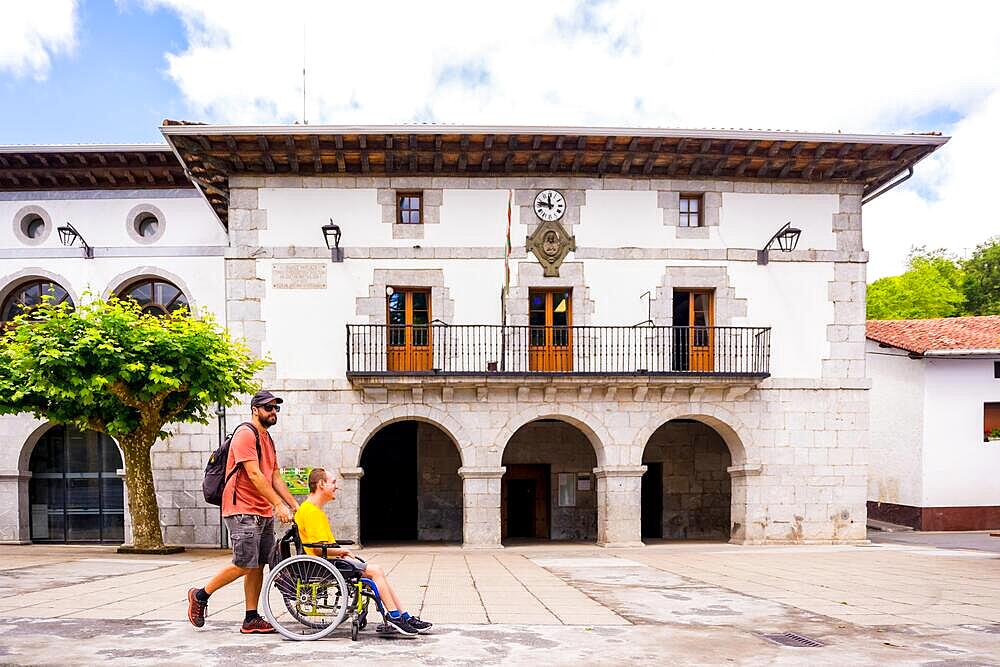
(212, 154)
(90, 168)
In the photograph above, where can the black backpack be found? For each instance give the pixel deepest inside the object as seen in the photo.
(215, 472)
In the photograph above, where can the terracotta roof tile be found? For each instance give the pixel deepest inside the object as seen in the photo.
(945, 333)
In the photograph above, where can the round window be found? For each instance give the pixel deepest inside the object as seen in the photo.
(147, 225)
(33, 226)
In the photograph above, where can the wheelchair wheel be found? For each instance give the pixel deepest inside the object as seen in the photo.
(305, 597)
(355, 628)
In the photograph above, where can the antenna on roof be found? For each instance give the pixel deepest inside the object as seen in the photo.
(304, 120)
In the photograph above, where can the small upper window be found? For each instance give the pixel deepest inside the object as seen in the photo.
(155, 297)
(145, 224)
(31, 294)
(410, 208)
(32, 225)
(690, 211)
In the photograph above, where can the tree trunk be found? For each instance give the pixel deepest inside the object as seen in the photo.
(142, 505)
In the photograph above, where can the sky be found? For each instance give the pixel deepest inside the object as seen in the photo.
(101, 71)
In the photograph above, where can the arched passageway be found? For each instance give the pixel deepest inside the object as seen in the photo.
(410, 489)
(686, 491)
(75, 493)
(548, 490)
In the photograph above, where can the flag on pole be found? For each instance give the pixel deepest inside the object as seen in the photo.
(506, 254)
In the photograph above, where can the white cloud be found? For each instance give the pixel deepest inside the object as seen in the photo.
(32, 32)
(851, 66)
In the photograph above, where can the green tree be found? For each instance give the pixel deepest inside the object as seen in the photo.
(931, 286)
(982, 279)
(108, 367)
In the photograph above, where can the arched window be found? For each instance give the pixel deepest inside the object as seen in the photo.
(30, 294)
(155, 296)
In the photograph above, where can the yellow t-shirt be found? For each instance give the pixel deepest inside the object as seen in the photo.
(313, 526)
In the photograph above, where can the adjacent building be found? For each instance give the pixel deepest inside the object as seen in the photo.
(935, 422)
(673, 346)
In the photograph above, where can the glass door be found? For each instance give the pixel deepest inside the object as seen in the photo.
(694, 340)
(409, 333)
(550, 318)
(75, 492)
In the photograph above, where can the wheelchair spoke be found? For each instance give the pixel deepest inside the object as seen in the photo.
(305, 598)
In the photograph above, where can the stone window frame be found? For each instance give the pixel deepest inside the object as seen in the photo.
(132, 223)
(430, 210)
(373, 306)
(19, 223)
(530, 275)
(709, 214)
(727, 306)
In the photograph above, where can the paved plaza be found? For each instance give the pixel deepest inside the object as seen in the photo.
(688, 603)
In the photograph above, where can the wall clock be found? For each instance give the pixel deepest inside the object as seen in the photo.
(550, 205)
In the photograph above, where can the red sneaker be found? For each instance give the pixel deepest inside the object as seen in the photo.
(196, 609)
(258, 626)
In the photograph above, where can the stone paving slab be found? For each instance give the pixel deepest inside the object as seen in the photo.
(700, 604)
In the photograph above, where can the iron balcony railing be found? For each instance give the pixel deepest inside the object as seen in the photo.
(483, 349)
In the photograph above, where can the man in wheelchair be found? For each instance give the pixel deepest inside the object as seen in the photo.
(314, 528)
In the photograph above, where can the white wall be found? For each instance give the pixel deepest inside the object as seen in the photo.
(959, 468)
(104, 222)
(896, 422)
(749, 220)
(792, 298)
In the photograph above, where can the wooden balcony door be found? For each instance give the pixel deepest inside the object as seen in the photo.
(694, 347)
(550, 339)
(409, 333)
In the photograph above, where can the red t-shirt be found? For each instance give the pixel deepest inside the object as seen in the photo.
(248, 499)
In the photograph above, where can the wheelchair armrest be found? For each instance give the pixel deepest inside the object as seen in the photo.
(344, 542)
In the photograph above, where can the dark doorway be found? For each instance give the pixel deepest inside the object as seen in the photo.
(389, 485)
(652, 501)
(75, 492)
(524, 500)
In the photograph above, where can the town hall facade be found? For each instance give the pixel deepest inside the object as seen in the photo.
(673, 347)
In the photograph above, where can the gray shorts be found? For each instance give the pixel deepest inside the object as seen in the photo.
(252, 539)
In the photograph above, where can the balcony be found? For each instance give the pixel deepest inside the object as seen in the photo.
(378, 354)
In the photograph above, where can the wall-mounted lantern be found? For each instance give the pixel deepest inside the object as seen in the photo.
(787, 238)
(68, 236)
(331, 233)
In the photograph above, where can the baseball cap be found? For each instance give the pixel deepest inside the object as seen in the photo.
(263, 397)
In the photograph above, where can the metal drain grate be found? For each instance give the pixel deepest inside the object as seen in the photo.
(792, 639)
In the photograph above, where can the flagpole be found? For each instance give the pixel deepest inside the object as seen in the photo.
(506, 286)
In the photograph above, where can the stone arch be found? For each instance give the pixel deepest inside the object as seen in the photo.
(11, 281)
(726, 424)
(123, 279)
(588, 423)
(416, 412)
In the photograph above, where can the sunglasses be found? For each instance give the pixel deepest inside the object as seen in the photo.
(269, 408)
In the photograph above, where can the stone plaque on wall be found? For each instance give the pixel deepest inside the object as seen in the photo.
(300, 275)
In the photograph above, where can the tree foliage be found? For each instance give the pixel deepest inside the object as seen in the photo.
(982, 279)
(931, 286)
(108, 367)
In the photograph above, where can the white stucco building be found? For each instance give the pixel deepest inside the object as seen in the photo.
(648, 374)
(935, 422)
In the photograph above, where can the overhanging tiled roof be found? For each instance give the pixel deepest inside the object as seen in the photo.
(213, 153)
(969, 334)
(90, 167)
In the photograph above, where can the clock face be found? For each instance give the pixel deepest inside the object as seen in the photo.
(550, 205)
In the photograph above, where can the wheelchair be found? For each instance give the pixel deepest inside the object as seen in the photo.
(308, 597)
